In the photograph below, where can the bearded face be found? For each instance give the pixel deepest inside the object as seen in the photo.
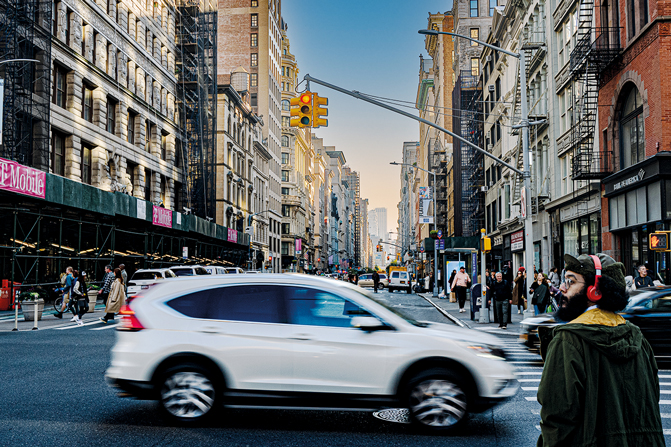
(571, 308)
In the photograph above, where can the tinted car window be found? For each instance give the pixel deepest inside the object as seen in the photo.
(201, 271)
(383, 276)
(663, 304)
(183, 272)
(394, 275)
(316, 308)
(194, 305)
(169, 274)
(139, 276)
(364, 277)
(260, 304)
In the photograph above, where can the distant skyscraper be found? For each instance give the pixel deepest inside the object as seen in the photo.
(377, 223)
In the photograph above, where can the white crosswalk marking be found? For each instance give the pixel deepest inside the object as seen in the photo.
(108, 326)
(529, 380)
(529, 373)
(76, 326)
(529, 388)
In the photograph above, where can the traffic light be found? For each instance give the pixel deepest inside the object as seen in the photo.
(659, 241)
(319, 113)
(301, 110)
(486, 244)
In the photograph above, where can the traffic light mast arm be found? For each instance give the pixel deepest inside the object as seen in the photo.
(358, 95)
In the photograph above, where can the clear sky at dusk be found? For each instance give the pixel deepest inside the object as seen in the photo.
(372, 47)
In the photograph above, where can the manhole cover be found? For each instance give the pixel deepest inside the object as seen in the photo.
(398, 415)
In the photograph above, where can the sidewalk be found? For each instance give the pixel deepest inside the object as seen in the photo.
(48, 319)
(453, 309)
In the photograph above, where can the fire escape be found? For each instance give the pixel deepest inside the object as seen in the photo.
(197, 101)
(595, 49)
(472, 170)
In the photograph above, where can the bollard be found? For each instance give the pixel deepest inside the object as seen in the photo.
(16, 315)
(35, 308)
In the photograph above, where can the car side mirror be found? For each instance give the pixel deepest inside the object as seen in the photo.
(367, 324)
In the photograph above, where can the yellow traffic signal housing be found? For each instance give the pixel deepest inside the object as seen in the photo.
(301, 110)
(659, 241)
(319, 113)
(486, 244)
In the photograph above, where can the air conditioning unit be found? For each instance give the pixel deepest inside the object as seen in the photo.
(491, 88)
(489, 58)
(490, 147)
(491, 184)
(484, 189)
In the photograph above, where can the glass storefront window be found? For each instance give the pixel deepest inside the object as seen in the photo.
(613, 214)
(654, 202)
(635, 255)
(631, 208)
(621, 211)
(571, 238)
(584, 235)
(594, 231)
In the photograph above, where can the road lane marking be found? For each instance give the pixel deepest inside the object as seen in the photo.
(532, 399)
(529, 380)
(529, 388)
(76, 325)
(109, 326)
(526, 373)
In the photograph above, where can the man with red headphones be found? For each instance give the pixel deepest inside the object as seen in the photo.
(599, 385)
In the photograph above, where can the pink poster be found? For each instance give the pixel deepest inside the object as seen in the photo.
(232, 235)
(22, 179)
(298, 246)
(162, 217)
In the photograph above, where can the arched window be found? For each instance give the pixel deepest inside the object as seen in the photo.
(285, 105)
(285, 141)
(632, 132)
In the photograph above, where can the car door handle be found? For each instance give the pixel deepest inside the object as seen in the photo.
(211, 330)
(301, 337)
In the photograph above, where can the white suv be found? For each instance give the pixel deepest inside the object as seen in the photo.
(144, 278)
(303, 342)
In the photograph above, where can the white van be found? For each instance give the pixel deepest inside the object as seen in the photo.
(399, 280)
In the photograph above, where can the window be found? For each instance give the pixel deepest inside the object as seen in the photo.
(312, 307)
(255, 60)
(147, 184)
(492, 5)
(474, 8)
(253, 100)
(164, 146)
(285, 158)
(60, 86)
(285, 228)
(285, 211)
(285, 176)
(475, 66)
(253, 80)
(163, 190)
(87, 103)
(111, 114)
(255, 20)
(285, 105)
(286, 121)
(285, 249)
(130, 136)
(130, 170)
(255, 3)
(475, 34)
(86, 163)
(178, 153)
(632, 134)
(285, 191)
(58, 158)
(254, 40)
(285, 141)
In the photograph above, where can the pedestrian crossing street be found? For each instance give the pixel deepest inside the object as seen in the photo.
(530, 368)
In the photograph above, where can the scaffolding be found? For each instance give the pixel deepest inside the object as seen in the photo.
(472, 161)
(196, 30)
(25, 34)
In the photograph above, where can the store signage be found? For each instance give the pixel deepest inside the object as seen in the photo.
(630, 181)
(162, 217)
(425, 220)
(232, 235)
(185, 252)
(298, 246)
(517, 241)
(21, 179)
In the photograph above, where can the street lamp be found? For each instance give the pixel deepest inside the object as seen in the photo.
(250, 231)
(435, 224)
(524, 124)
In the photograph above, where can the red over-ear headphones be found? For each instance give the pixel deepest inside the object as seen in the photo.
(593, 292)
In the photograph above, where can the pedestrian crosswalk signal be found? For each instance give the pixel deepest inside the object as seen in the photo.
(659, 241)
(301, 110)
(485, 244)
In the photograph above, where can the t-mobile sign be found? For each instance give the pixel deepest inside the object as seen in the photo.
(21, 179)
(162, 217)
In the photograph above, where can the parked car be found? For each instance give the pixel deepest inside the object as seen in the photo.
(234, 270)
(215, 270)
(252, 272)
(189, 270)
(366, 280)
(399, 280)
(648, 308)
(299, 341)
(142, 279)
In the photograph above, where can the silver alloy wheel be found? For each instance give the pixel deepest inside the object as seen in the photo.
(437, 403)
(187, 394)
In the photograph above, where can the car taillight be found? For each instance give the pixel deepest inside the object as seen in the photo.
(129, 321)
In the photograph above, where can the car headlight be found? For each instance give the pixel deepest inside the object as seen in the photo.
(486, 351)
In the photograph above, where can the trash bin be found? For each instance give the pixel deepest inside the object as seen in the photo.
(6, 300)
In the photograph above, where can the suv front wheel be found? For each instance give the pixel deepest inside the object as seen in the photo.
(436, 400)
(187, 394)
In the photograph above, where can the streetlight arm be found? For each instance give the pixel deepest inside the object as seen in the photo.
(18, 60)
(432, 32)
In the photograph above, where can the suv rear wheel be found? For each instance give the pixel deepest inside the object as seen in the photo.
(187, 393)
(437, 400)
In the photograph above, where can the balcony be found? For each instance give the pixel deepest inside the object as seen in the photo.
(596, 55)
(592, 165)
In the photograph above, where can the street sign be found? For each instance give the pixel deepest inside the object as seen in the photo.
(440, 234)
(421, 249)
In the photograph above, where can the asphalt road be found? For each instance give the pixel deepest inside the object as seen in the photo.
(53, 393)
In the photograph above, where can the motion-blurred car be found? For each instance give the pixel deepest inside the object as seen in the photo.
(366, 280)
(215, 270)
(278, 341)
(142, 279)
(234, 270)
(648, 308)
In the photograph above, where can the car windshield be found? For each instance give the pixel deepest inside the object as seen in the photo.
(637, 297)
(201, 271)
(183, 272)
(140, 276)
(395, 311)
